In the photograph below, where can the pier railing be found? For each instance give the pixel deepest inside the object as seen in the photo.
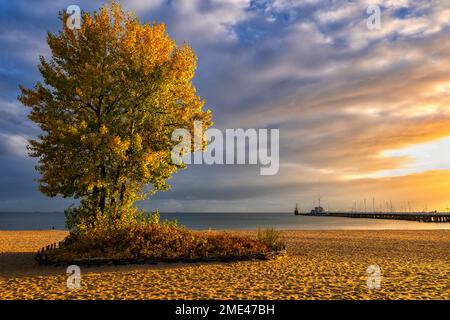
(410, 216)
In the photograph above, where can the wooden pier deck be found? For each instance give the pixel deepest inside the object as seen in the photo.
(411, 216)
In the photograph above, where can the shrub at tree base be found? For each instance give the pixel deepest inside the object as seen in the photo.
(153, 241)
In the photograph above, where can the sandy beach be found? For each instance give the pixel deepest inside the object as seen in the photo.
(319, 265)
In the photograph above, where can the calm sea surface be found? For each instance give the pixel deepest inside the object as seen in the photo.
(223, 221)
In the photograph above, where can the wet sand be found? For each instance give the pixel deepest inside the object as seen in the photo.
(319, 265)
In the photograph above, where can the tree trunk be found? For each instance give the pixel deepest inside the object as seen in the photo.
(102, 203)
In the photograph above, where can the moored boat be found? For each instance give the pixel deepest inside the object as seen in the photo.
(318, 211)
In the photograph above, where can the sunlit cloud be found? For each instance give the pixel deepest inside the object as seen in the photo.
(424, 157)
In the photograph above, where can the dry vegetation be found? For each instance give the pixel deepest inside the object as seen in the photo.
(154, 240)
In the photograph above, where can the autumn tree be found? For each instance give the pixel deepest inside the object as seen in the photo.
(113, 92)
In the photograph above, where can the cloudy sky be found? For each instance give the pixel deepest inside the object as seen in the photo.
(363, 113)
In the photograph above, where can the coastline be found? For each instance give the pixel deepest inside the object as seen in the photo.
(326, 264)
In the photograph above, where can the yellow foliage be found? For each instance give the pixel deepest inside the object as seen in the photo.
(103, 129)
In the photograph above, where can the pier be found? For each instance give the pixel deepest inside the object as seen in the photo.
(411, 216)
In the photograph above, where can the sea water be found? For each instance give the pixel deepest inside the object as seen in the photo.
(228, 221)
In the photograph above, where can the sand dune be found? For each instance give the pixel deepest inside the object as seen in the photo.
(319, 265)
